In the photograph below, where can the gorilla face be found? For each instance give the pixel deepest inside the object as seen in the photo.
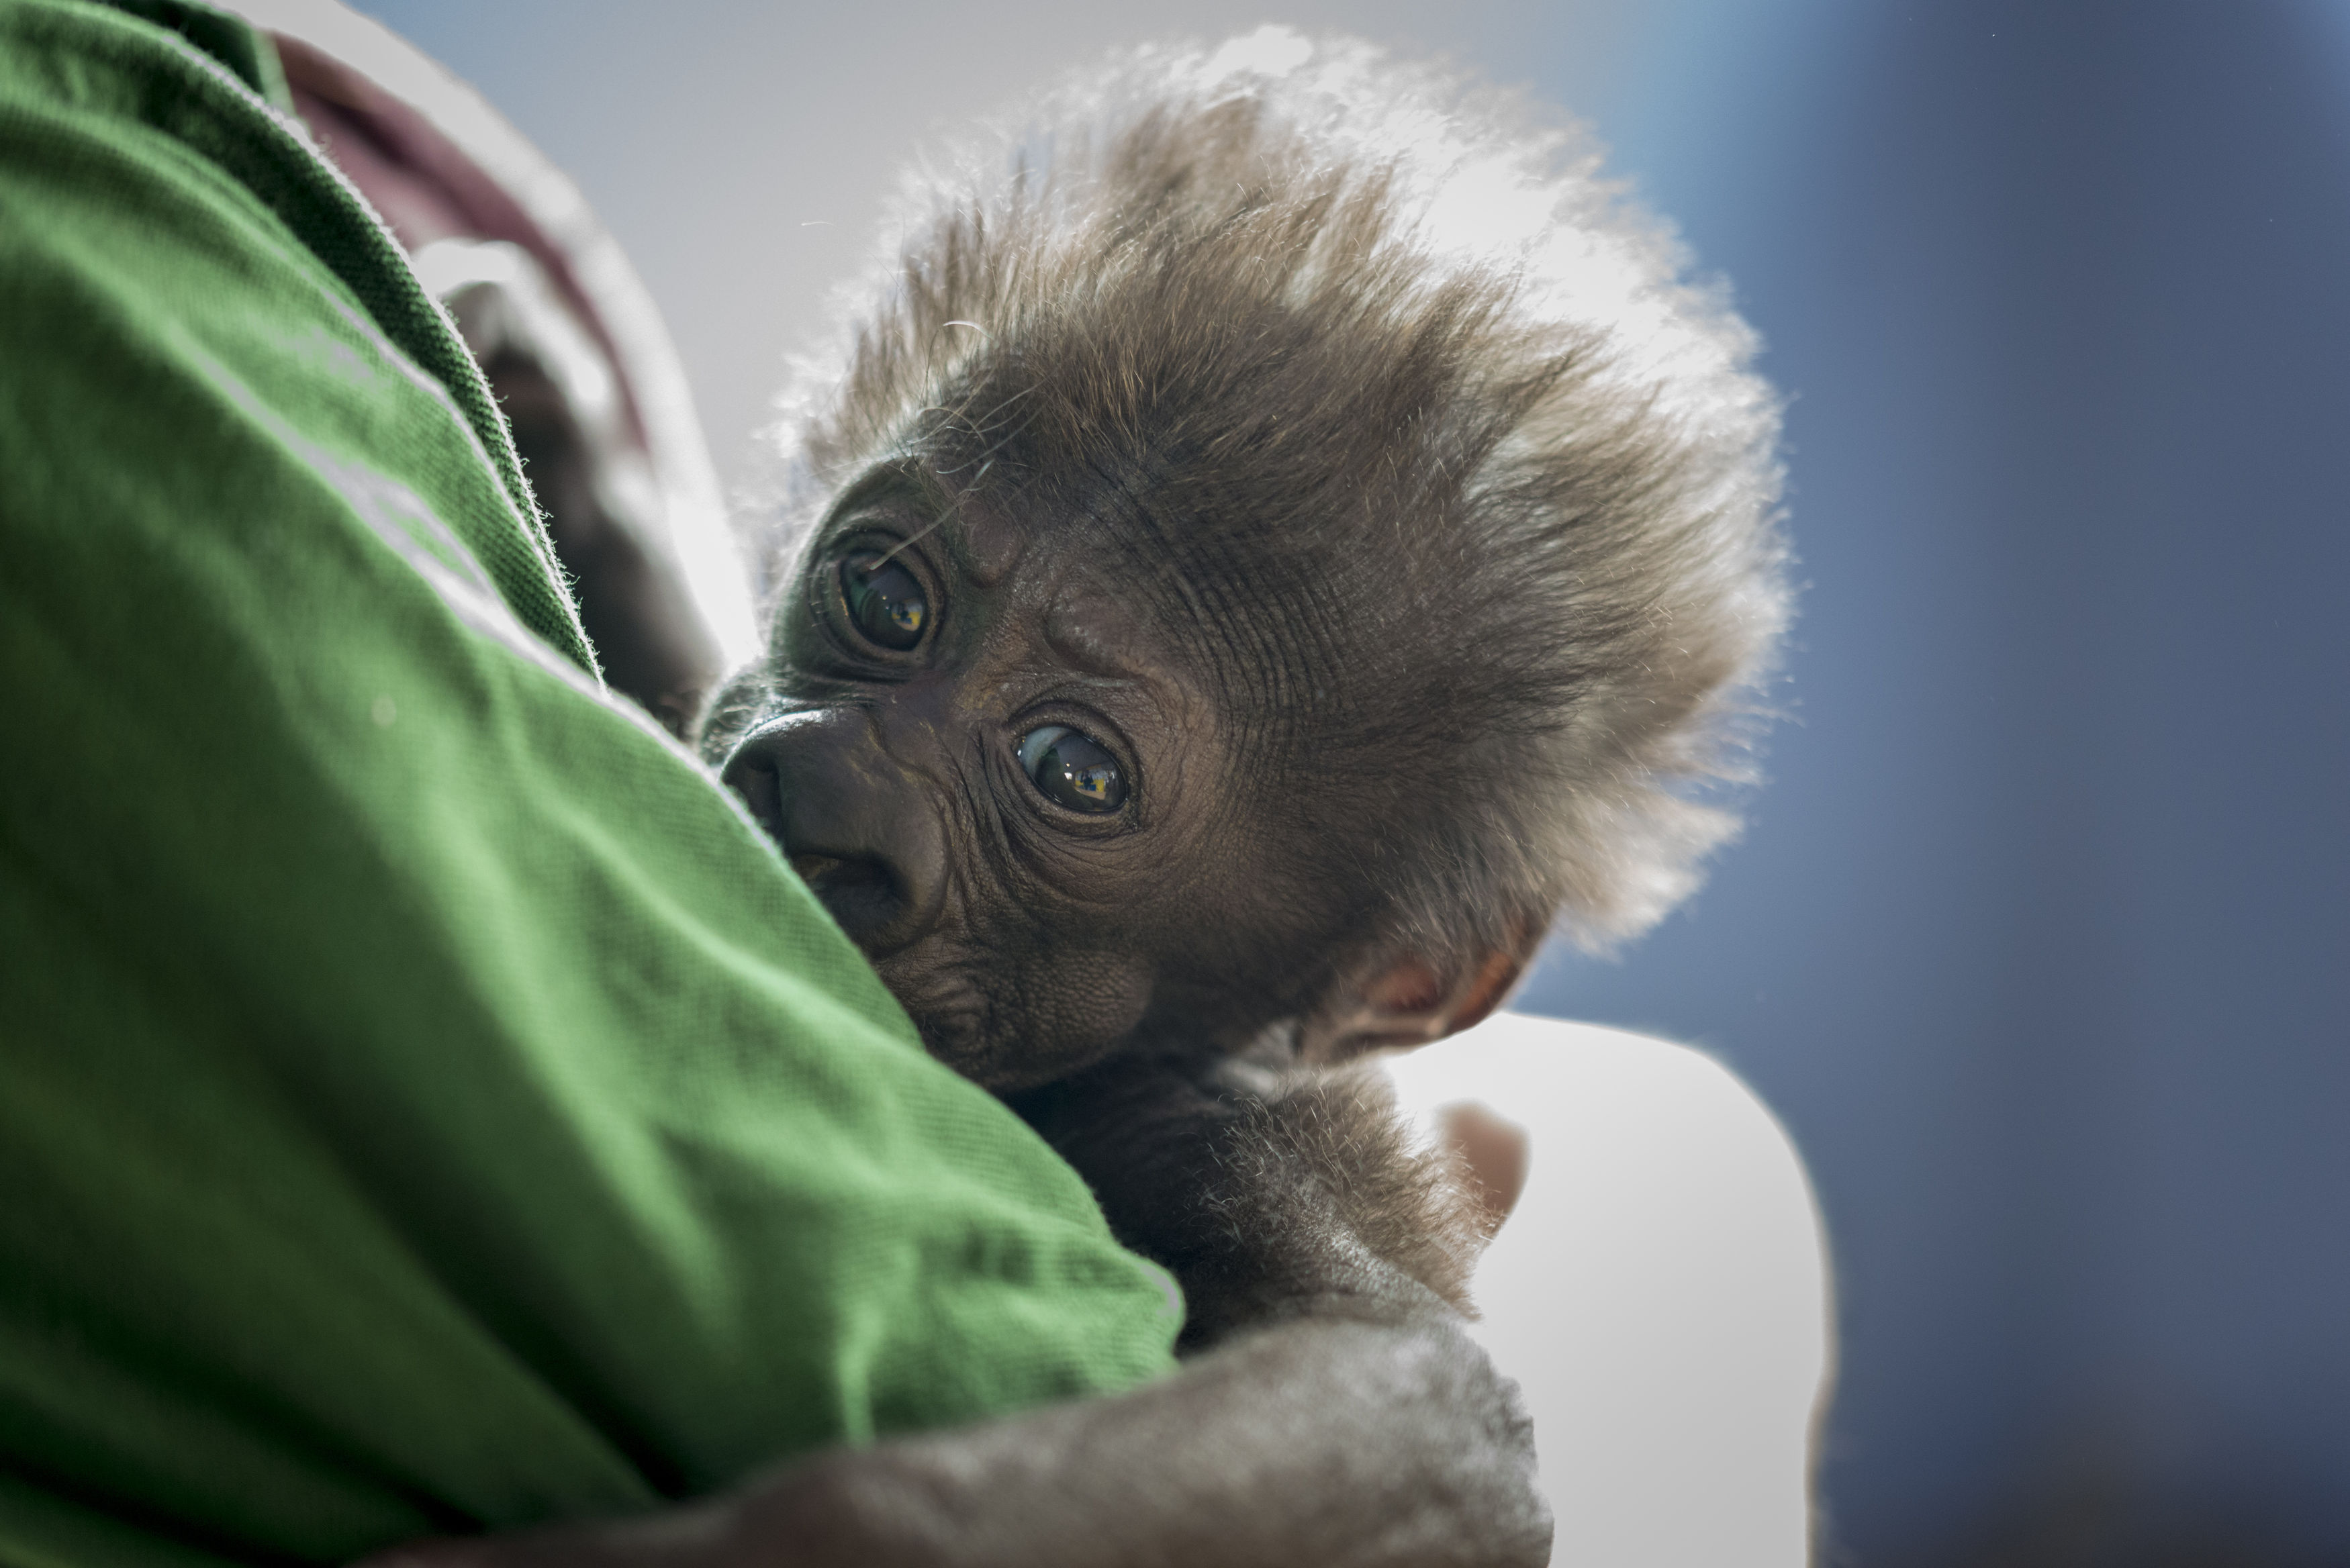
(1018, 783)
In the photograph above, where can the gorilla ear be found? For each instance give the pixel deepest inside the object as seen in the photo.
(1400, 1000)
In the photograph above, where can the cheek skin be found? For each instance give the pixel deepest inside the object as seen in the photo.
(1070, 1008)
(1089, 1002)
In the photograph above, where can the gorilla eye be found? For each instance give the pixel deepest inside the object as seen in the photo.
(1073, 770)
(885, 600)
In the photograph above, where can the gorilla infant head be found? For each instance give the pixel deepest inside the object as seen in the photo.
(1278, 539)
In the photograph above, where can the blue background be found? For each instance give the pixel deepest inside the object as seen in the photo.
(2040, 943)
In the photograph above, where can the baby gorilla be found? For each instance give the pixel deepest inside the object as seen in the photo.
(1279, 540)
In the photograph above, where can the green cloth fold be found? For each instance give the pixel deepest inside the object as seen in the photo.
(425, 1102)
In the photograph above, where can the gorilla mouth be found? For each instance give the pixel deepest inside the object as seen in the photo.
(859, 894)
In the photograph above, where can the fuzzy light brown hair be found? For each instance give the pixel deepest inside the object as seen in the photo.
(1370, 375)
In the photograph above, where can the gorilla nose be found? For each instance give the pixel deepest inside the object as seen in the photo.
(860, 830)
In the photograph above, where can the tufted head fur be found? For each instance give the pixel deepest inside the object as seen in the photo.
(1372, 376)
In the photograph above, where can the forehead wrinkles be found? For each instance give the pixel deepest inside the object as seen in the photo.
(1211, 550)
(1262, 620)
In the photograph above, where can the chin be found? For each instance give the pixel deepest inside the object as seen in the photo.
(1004, 1064)
(1009, 1025)
(958, 1025)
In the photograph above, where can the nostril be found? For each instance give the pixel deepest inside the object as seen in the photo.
(865, 836)
(753, 779)
(813, 868)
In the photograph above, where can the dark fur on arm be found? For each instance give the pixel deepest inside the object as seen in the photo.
(1330, 1410)
(1270, 1192)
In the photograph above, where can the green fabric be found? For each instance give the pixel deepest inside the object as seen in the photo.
(425, 1102)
